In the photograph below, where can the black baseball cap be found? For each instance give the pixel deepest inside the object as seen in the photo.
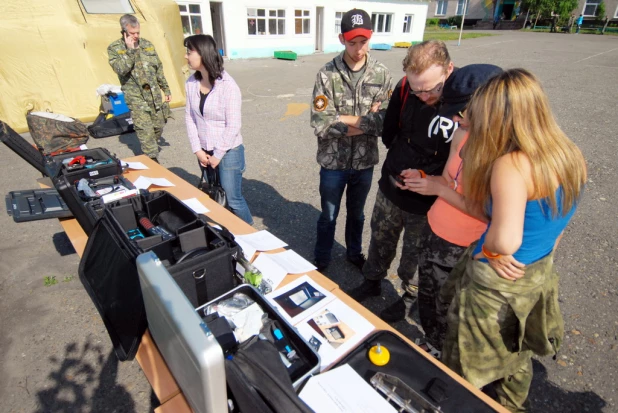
(461, 85)
(354, 23)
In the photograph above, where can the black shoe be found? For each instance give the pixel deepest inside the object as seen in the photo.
(369, 288)
(155, 159)
(358, 261)
(398, 310)
(321, 266)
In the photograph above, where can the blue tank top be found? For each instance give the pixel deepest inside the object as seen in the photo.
(541, 229)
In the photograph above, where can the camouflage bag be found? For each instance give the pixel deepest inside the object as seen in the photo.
(53, 132)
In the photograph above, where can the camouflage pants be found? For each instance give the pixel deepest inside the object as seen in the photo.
(387, 222)
(496, 325)
(436, 259)
(148, 123)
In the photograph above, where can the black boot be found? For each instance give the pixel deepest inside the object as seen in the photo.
(369, 288)
(399, 309)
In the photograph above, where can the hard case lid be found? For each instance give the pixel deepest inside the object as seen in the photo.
(190, 349)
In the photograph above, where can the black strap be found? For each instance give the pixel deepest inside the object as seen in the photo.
(201, 289)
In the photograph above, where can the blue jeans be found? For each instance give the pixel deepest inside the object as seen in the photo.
(332, 185)
(231, 169)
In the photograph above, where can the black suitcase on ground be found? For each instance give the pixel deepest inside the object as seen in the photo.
(198, 257)
(102, 128)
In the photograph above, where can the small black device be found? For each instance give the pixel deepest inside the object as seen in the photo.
(396, 179)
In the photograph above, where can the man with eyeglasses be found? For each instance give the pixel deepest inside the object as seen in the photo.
(418, 136)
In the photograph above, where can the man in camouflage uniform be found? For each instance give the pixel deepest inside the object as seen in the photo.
(350, 96)
(140, 72)
(495, 325)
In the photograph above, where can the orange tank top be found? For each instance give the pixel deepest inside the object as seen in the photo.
(448, 222)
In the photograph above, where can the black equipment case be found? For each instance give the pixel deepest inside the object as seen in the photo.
(421, 375)
(35, 204)
(198, 256)
(102, 127)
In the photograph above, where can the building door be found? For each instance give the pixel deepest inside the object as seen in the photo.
(319, 29)
(216, 15)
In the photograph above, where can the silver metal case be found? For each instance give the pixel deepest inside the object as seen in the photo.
(191, 352)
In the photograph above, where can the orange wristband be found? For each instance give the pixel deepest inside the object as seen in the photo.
(423, 174)
(489, 254)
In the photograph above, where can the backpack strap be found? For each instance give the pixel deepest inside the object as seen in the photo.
(403, 96)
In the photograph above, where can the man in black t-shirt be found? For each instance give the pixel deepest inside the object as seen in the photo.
(418, 137)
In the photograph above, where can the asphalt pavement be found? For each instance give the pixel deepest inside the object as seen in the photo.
(55, 355)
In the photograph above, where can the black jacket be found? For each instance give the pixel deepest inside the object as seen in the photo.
(417, 137)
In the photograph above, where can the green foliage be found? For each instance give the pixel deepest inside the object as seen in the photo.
(565, 7)
(454, 21)
(432, 22)
(543, 8)
(68, 278)
(445, 35)
(50, 281)
(601, 10)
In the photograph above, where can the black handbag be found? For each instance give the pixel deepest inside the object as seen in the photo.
(210, 184)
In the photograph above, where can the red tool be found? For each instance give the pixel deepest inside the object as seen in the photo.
(78, 160)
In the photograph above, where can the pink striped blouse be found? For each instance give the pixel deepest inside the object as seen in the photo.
(219, 129)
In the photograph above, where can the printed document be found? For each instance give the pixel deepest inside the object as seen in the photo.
(262, 240)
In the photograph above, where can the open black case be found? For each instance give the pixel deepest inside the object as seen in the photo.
(199, 258)
(435, 390)
(65, 169)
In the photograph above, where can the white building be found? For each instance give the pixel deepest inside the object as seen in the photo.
(258, 28)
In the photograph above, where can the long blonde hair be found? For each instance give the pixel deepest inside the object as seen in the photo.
(509, 114)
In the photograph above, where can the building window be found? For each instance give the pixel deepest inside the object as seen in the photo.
(258, 22)
(441, 7)
(407, 23)
(191, 18)
(302, 22)
(460, 7)
(590, 8)
(107, 7)
(338, 16)
(381, 22)
(616, 13)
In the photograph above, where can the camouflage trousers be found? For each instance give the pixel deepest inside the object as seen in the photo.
(387, 223)
(436, 259)
(496, 325)
(148, 123)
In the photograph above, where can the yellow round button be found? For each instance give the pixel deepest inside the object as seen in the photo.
(379, 355)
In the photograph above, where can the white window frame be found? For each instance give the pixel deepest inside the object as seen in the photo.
(616, 13)
(266, 18)
(408, 22)
(375, 22)
(441, 2)
(190, 14)
(338, 22)
(99, 7)
(305, 16)
(591, 2)
(461, 7)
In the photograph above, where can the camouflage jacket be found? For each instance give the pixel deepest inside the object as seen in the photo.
(332, 96)
(495, 325)
(140, 72)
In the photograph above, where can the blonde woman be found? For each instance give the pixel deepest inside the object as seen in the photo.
(527, 176)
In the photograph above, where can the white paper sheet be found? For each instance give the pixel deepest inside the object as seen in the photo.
(340, 328)
(144, 182)
(343, 390)
(247, 250)
(161, 182)
(136, 165)
(195, 205)
(83, 147)
(291, 262)
(262, 240)
(271, 271)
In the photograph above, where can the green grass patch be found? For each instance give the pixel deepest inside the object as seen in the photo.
(68, 278)
(48, 281)
(445, 35)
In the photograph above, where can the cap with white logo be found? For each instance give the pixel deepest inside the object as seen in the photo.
(354, 23)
